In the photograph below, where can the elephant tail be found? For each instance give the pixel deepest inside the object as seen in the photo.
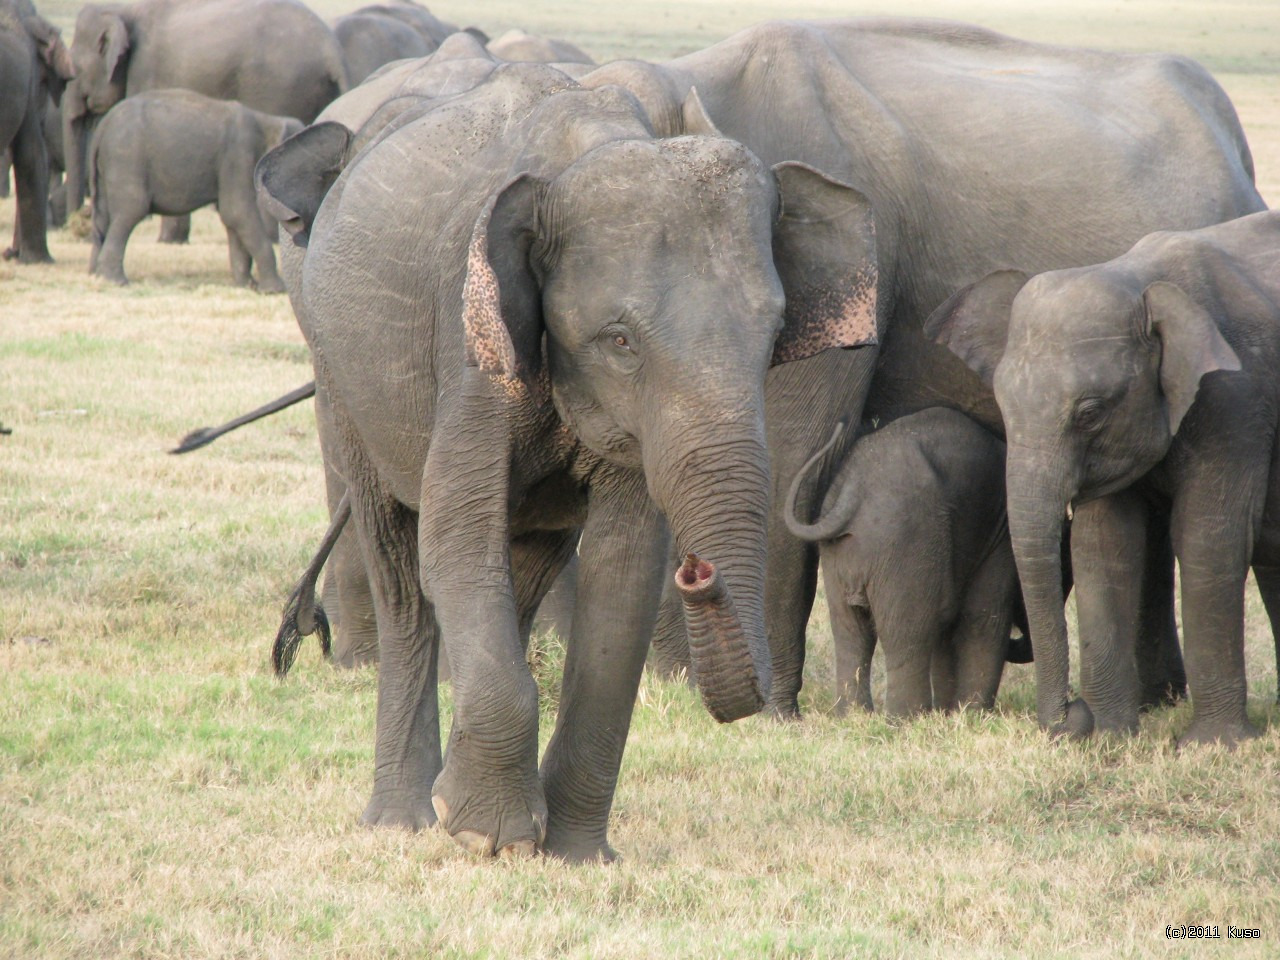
(206, 435)
(837, 518)
(302, 614)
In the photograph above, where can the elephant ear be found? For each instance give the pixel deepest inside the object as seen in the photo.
(113, 43)
(502, 302)
(974, 321)
(293, 178)
(1190, 346)
(824, 248)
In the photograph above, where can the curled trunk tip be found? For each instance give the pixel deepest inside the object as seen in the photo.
(694, 575)
(718, 651)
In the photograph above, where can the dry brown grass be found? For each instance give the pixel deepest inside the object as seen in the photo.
(162, 796)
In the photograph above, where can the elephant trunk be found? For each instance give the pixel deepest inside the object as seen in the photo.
(75, 133)
(1038, 498)
(717, 647)
(716, 499)
(836, 519)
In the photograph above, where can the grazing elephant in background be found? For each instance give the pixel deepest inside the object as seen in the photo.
(34, 67)
(226, 49)
(915, 554)
(551, 356)
(908, 111)
(1148, 378)
(381, 33)
(516, 45)
(172, 152)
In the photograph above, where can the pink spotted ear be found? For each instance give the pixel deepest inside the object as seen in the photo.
(502, 311)
(824, 248)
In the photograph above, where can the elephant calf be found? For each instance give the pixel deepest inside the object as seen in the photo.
(915, 552)
(1146, 384)
(172, 152)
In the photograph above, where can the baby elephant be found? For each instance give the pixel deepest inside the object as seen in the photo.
(915, 552)
(172, 152)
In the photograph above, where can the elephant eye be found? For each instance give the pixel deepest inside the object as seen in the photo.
(621, 341)
(1089, 415)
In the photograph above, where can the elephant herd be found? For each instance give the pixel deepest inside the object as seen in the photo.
(171, 152)
(970, 319)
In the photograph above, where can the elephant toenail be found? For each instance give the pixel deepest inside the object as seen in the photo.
(441, 808)
(520, 850)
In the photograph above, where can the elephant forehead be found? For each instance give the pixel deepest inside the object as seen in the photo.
(649, 181)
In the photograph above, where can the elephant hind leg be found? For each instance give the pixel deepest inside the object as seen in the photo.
(853, 636)
(407, 744)
(1161, 672)
(1269, 586)
(981, 635)
(537, 560)
(175, 229)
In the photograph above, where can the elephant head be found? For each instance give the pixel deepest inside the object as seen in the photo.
(99, 57)
(652, 336)
(100, 52)
(1094, 370)
(643, 288)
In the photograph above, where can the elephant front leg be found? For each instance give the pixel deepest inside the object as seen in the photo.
(1213, 575)
(175, 229)
(1108, 558)
(619, 581)
(1217, 516)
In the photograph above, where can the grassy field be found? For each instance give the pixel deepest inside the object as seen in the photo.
(161, 795)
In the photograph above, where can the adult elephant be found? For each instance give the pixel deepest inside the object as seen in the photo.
(275, 56)
(1147, 379)
(542, 354)
(978, 152)
(34, 66)
(460, 63)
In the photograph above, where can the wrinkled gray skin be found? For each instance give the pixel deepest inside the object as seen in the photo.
(915, 554)
(381, 33)
(173, 152)
(978, 152)
(1147, 378)
(34, 66)
(549, 357)
(226, 49)
(516, 45)
(457, 66)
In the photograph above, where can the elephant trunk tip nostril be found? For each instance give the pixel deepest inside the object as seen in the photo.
(694, 571)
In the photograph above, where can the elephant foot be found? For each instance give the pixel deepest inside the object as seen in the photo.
(787, 708)
(272, 285)
(1117, 726)
(492, 821)
(1224, 734)
(399, 808)
(564, 845)
(12, 253)
(1078, 724)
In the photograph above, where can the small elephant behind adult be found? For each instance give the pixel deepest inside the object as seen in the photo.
(516, 45)
(915, 554)
(172, 152)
